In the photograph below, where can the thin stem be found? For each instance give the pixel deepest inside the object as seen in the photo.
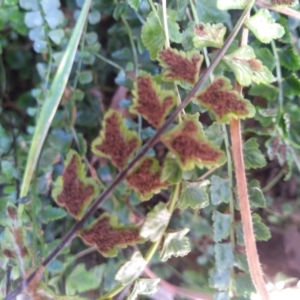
(108, 61)
(204, 175)
(133, 48)
(155, 12)
(165, 20)
(151, 142)
(273, 181)
(279, 78)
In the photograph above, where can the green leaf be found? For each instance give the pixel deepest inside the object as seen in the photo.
(247, 68)
(289, 59)
(52, 101)
(94, 17)
(50, 213)
(220, 190)
(209, 35)
(175, 244)
(266, 91)
(219, 279)
(54, 18)
(224, 102)
(144, 286)
(146, 178)
(252, 155)
(222, 226)
(156, 222)
(215, 134)
(193, 194)
(86, 279)
(262, 232)
(221, 296)
(232, 4)
(132, 269)
(33, 19)
(224, 256)
(256, 196)
(291, 85)
(151, 101)
(243, 284)
(29, 4)
(266, 57)
(263, 26)
(153, 35)
(134, 4)
(56, 35)
(208, 12)
(74, 190)
(116, 141)
(190, 146)
(180, 66)
(106, 235)
(171, 170)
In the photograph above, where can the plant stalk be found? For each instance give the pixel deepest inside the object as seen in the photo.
(241, 182)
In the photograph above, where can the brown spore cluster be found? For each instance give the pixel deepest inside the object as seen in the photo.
(144, 180)
(180, 67)
(189, 148)
(199, 30)
(75, 193)
(105, 238)
(255, 64)
(114, 144)
(149, 105)
(221, 101)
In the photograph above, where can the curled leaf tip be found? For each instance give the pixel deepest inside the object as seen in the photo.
(180, 66)
(116, 141)
(106, 235)
(151, 101)
(145, 178)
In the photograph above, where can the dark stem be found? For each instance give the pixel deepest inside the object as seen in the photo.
(143, 151)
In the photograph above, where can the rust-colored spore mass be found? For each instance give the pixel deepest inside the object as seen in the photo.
(188, 148)
(199, 30)
(106, 238)
(114, 144)
(255, 64)
(74, 193)
(145, 180)
(148, 102)
(222, 102)
(179, 66)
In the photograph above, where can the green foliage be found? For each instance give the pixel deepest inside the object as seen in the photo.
(144, 287)
(131, 269)
(175, 244)
(88, 280)
(156, 222)
(209, 35)
(193, 194)
(220, 190)
(247, 68)
(252, 155)
(222, 226)
(153, 35)
(69, 69)
(264, 27)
